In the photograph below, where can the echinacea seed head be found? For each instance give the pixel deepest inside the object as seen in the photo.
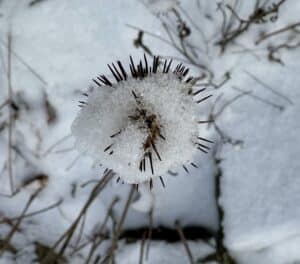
(144, 124)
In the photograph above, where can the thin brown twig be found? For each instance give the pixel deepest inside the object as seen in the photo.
(6, 102)
(142, 248)
(183, 51)
(114, 243)
(81, 229)
(258, 15)
(169, 33)
(102, 183)
(97, 242)
(10, 235)
(58, 142)
(276, 32)
(64, 150)
(149, 235)
(151, 34)
(35, 212)
(184, 242)
(226, 139)
(231, 101)
(68, 234)
(10, 113)
(173, 45)
(263, 100)
(73, 162)
(275, 49)
(263, 84)
(202, 34)
(33, 71)
(245, 49)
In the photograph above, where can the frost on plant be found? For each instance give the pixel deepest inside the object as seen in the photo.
(144, 124)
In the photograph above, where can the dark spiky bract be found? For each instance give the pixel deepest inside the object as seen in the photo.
(142, 70)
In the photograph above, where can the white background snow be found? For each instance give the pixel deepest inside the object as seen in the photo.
(67, 43)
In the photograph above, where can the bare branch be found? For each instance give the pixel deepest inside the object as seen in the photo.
(276, 32)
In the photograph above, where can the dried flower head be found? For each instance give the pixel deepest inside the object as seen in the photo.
(144, 124)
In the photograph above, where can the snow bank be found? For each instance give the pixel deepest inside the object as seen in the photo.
(260, 183)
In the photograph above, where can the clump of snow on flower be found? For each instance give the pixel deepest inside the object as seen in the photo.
(108, 112)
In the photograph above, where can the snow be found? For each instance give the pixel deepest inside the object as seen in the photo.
(67, 44)
(161, 252)
(286, 251)
(161, 6)
(262, 188)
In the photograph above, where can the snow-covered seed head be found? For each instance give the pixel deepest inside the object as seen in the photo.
(142, 125)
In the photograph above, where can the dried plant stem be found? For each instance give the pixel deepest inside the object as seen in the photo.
(272, 50)
(81, 229)
(184, 242)
(10, 113)
(257, 15)
(149, 235)
(173, 45)
(19, 58)
(98, 241)
(230, 102)
(97, 189)
(198, 28)
(6, 102)
(10, 235)
(71, 165)
(55, 145)
(263, 100)
(67, 236)
(151, 34)
(263, 84)
(276, 32)
(142, 248)
(183, 51)
(36, 212)
(117, 233)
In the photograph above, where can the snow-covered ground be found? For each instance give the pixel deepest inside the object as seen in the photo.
(58, 46)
